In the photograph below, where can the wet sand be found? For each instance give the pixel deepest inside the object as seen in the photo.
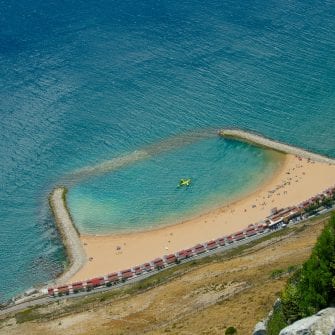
(296, 181)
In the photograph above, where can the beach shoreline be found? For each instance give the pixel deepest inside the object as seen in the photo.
(301, 175)
(231, 202)
(121, 251)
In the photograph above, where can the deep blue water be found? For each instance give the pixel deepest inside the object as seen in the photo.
(83, 81)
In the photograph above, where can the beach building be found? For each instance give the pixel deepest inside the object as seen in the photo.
(169, 259)
(261, 228)
(113, 277)
(95, 282)
(158, 263)
(199, 249)
(221, 241)
(281, 216)
(239, 236)
(212, 245)
(126, 274)
(181, 254)
(78, 286)
(230, 239)
(250, 232)
(63, 290)
(138, 270)
(189, 253)
(51, 292)
(147, 267)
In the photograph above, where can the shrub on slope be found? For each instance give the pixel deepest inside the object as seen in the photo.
(313, 287)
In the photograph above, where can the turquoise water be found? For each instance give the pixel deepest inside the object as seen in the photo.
(145, 194)
(84, 82)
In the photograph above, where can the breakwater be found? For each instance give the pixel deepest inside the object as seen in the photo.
(69, 234)
(272, 144)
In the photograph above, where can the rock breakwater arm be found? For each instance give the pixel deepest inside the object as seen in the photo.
(69, 234)
(272, 144)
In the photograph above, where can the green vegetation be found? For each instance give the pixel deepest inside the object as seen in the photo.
(324, 202)
(231, 331)
(276, 322)
(312, 287)
(277, 273)
(27, 315)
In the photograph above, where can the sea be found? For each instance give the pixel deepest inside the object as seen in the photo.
(118, 100)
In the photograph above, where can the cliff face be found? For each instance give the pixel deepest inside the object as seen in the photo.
(322, 323)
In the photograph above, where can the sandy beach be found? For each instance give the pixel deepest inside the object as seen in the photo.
(295, 181)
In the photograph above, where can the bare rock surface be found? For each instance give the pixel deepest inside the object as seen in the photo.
(321, 323)
(260, 329)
